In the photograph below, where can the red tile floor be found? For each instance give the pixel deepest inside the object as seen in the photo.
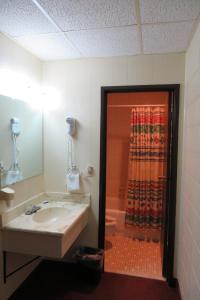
(124, 255)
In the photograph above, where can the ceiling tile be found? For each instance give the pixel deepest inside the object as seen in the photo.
(88, 14)
(49, 46)
(154, 11)
(22, 17)
(164, 38)
(106, 42)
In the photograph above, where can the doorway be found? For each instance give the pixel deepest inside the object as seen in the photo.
(138, 162)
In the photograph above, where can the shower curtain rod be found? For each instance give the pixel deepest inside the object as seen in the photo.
(136, 105)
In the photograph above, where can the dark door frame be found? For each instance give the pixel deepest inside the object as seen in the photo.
(173, 90)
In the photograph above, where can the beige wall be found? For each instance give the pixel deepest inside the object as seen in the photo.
(14, 58)
(188, 237)
(118, 132)
(79, 82)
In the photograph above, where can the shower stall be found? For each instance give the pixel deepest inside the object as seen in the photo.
(146, 170)
(136, 170)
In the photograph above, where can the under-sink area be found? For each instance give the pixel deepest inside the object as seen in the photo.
(51, 230)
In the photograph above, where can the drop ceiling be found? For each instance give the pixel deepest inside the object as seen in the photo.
(65, 29)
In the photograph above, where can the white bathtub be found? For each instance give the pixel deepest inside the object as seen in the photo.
(129, 231)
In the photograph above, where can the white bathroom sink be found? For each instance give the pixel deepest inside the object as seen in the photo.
(51, 214)
(49, 232)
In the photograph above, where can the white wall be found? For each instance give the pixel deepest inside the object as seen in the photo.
(16, 59)
(79, 82)
(188, 241)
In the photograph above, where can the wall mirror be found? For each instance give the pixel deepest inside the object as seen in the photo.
(21, 133)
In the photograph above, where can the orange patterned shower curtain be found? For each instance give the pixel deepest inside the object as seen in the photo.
(147, 157)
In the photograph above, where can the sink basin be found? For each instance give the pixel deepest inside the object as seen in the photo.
(51, 214)
(51, 231)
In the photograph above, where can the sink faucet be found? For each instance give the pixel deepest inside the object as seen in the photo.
(31, 210)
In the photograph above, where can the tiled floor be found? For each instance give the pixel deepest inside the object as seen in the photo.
(125, 255)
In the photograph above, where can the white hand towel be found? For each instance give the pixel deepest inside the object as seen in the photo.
(73, 182)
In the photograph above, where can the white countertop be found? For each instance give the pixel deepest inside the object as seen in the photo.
(26, 222)
(51, 230)
(76, 205)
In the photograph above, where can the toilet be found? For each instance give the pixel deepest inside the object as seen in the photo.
(110, 226)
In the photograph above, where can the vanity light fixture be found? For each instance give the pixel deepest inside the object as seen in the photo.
(18, 86)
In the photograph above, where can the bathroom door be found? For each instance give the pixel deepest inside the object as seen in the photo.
(164, 179)
(169, 195)
(168, 234)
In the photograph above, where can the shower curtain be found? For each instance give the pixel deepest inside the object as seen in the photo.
(147, 158)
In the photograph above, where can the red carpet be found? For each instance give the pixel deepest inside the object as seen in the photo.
(59, 281)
